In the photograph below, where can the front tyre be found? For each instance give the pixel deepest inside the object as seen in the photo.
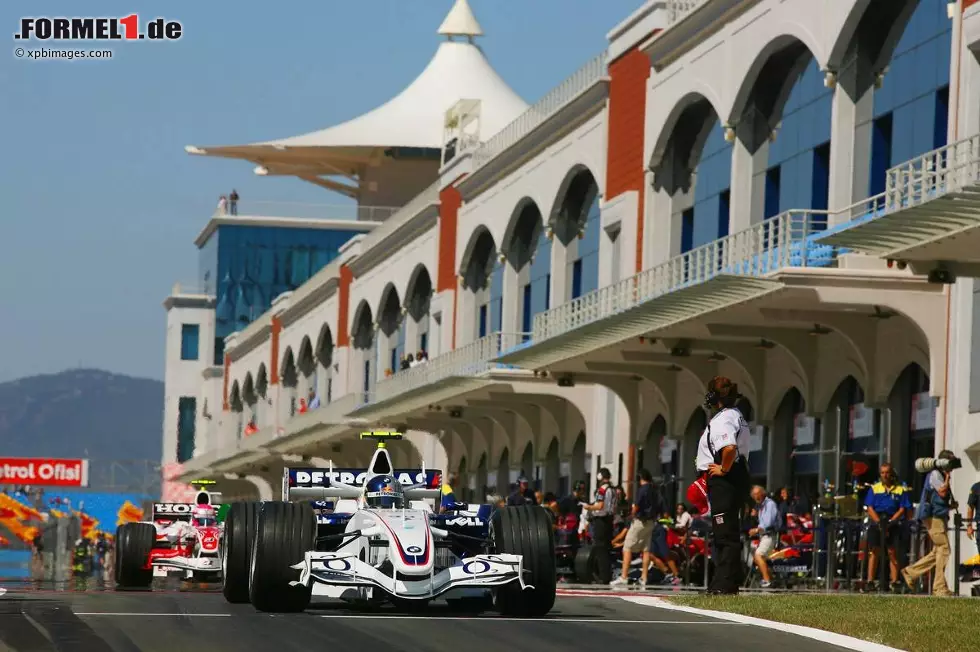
(236, 550)
(134, 541)
(527, 531)
(284, 533)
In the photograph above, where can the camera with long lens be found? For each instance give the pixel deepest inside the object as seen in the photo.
(929, 464)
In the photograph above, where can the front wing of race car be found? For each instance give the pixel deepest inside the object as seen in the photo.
(171, 559)
(329, 569)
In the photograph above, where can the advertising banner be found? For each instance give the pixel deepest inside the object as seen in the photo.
(43, 472)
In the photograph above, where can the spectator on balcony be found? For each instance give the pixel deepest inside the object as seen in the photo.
(421, 357)
(405, 362)
(233, 202)
(223, 205)
(251, 428)
(314, 399)
(302, 406)
(411, 360)
(389, 373)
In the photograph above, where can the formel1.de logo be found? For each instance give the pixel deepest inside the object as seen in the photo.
(127, 28)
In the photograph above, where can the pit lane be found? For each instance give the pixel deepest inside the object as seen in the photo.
(103, 620)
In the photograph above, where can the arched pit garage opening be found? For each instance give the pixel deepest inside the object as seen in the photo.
(236, 417)
(912, 425)
(325, 366)
(575, 228)
(529, 469)
(758, 444)
(262, 391)
(362, 356)
(306, 365)
(795, 437)
(390, 340)
(527, 271)
(553, 479)
(461, 488)
(648, 452)
(479, 484)
(249, 398)
(415, 326)
(696, 424)
(854, 429)
(580, 469)
(482, 280)
(502, 485)
(289, 379)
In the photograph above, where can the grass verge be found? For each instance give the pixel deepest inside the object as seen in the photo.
(903, 622)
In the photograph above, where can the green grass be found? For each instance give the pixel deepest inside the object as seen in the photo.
(904, 622)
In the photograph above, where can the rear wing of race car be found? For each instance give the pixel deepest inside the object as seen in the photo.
(316, 483)
(183, 511)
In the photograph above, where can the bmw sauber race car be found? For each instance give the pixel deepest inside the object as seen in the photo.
(183, 537)
(371, 536)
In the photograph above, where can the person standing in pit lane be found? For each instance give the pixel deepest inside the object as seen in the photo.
(601, 512)
(722, 458)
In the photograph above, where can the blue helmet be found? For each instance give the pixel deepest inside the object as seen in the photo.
(384, 492)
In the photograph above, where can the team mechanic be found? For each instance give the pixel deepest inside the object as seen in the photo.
(722, 458)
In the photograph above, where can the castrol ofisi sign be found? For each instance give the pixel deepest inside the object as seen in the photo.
(44, 472)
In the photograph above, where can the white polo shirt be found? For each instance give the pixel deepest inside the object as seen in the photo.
(726, 428)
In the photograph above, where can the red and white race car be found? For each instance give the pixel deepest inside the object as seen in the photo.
(183, 537)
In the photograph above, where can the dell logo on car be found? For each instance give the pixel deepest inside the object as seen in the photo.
(466, 521)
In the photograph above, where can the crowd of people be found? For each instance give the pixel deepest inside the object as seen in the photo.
(408, 362)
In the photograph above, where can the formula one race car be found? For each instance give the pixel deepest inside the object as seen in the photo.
(369, 537)
(180, 536)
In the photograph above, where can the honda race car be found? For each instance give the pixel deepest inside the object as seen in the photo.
(371, 537)
(184, 537)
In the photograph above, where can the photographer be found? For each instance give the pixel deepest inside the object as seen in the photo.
(933, 513)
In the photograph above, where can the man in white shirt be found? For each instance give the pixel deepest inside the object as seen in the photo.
(723, 454)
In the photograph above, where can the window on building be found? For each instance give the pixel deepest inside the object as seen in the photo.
(424, 342)
(483, 319)
(881, 152)
(687, 230)
(219, 351)
(526, 312)
(189, 341)
(577, 279)
(186, 420)
(940, 134)
(547, 292)
(821, 180)
(724, 212)
(773, 183)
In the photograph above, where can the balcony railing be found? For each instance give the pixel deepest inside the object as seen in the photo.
(191, 290)
(939, 172)
(289, 209)
(786, 240)
(470, 360)
(559, 97)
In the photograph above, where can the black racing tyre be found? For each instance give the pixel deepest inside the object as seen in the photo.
(134, 541)
(236, 550)
(585, 564)
(527, 531)
(284, 532)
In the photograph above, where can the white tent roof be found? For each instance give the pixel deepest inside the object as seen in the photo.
(413, 119)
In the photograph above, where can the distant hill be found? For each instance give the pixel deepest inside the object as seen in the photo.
(83, 413)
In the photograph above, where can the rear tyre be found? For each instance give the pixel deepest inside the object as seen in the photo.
(526, 531)
(284, 533)
(134, 541)
(585, 564)
(236, 550)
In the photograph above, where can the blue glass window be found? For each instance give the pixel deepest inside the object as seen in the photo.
(526, 312)
(773, 183)
(714, 174)
(724, 212)
(219, 351)
(483, 319)
(577, 279)
(940, 134)
(881, 152)
(189, 341)
(186, 418)
(821, 178)
(687, 230)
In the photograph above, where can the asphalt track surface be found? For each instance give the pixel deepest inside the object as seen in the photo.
(201, 621)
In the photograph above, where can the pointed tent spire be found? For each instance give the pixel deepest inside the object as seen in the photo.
(461, 22)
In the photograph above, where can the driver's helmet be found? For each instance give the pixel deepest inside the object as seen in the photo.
(384, 492)
(204, 516)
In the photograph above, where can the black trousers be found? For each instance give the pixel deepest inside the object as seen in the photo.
(728, 495)
(602, 535)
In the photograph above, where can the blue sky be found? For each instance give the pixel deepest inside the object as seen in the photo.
(99, 204)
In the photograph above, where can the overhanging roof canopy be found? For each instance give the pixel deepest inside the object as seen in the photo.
(411, 120)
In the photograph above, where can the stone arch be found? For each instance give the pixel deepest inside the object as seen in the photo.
(389, 309)
(362, 327)
(235, 397)
(478, 259)
(521, 235)
(262, 382)
(249, 396)
(766, 84)
(874, 27)
(565, 188)
(289, 371)
(305, 362)
(678, 144)
(418, 292)
(325, 346)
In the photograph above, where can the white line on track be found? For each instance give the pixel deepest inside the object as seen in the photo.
(127, 613)
(495, 619)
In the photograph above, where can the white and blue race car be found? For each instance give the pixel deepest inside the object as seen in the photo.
(371, 536)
